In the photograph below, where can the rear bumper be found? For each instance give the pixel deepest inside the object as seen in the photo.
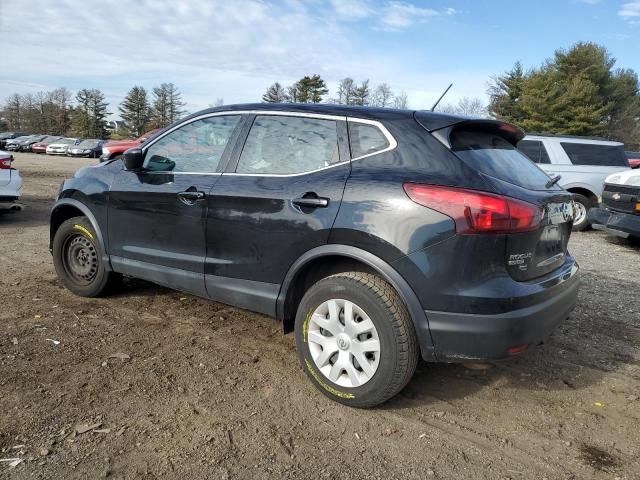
(466, 336)
(619, 224)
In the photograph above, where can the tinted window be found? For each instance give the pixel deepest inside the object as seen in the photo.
(281, 145)
(196, 147)
(591, 154)
(633, 155)
(492, 155)
(534, 149)
(366, 139)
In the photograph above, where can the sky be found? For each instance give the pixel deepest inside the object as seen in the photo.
(234, 49)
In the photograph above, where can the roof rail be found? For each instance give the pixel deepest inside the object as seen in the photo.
(583, 137)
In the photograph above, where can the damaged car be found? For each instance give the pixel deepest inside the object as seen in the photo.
(10, 184)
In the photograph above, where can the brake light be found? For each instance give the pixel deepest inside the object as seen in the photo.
(5, 163)
(477, 212)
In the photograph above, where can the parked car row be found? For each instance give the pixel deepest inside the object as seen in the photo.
(51, 144)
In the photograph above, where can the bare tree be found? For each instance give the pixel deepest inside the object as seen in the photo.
(382, 96)
(400, 100)
(345, 91)
(466, 106)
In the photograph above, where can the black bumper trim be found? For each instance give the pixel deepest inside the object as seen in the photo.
(463, 336)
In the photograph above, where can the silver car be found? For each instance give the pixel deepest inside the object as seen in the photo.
(582, 162)
(60, 146)
(10, 184)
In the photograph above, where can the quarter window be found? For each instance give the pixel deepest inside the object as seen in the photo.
(594, 154)
(366, 139)
(196, 147)
(286, 145)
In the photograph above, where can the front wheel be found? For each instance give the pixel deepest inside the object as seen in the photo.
(355, 339)
(77, 258)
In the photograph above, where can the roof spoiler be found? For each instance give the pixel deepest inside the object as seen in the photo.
(433, 122)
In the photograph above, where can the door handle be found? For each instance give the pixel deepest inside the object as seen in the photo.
(190, 197)
(311, 202)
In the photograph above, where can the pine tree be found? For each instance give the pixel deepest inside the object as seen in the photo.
(89, 116)
(275, 94)
(135, 110)
(310, 89)
(505, 94)
(361, 94)
(167, 105)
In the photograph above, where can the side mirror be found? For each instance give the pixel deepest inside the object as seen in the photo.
(133, 159)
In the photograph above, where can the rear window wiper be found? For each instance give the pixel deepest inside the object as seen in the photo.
(552, 181)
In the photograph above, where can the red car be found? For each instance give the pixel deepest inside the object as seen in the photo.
(41, 146)
(115, 148)
(634, 159)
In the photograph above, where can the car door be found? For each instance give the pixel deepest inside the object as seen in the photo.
(157, 216)
(276, 201)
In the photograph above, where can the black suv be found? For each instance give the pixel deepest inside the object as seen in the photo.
(377, 235)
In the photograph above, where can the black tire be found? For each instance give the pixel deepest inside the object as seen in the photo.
(76, 242)
(399, 349)
(587, 204)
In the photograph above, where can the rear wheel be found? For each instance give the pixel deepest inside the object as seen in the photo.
(583, 205)
(355, 340)
(77, 258)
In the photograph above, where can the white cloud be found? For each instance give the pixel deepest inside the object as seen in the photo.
(399, 15)
(630, 11)
(210, 49)
(351, 9)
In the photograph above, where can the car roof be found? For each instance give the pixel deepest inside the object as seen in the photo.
(560, 138)
(433, 119)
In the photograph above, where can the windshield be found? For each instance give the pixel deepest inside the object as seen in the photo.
(66, 141)
(492, 155)
(89, 143)
(5, 135)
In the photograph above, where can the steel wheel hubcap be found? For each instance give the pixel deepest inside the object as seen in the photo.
(581, 213)
(81, 259)
(344, 343)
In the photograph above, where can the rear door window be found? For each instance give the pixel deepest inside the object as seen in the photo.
(534, 149)
(491, 154)
(595, 155)
(281, 145)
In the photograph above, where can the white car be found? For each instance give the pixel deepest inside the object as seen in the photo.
(10, 184)
(582, 164)
(60, 146)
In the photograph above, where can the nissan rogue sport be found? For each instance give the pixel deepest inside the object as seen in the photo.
(376, 235)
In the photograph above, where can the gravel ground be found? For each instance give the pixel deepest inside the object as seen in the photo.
(152, 383)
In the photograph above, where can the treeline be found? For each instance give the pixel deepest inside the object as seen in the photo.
(313, 89)
(84, 115)
(577, 92)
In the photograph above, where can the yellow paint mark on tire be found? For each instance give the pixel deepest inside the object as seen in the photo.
(328, 388)
(305, 326)
(83, 230)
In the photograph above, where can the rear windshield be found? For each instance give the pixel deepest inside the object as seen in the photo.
(598, 155)
(492, 155)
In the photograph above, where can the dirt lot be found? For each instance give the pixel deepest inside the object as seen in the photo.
(210, 391)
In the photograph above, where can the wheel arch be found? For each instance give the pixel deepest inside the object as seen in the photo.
(67, 208)
(583, 190)
(329, 259)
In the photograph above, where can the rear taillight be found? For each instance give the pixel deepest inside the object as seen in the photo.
(5, 163)
(477, 212)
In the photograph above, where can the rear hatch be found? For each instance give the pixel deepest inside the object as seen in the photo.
(488, 148)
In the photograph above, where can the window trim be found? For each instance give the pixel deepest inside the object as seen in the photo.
(252, 113)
